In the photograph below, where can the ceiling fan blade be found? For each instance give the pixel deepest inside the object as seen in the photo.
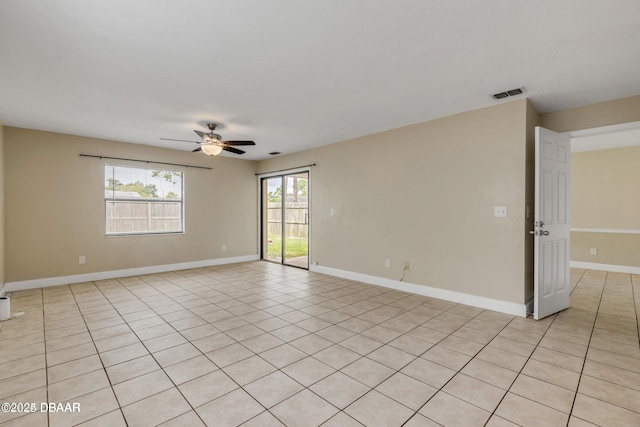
(196, 150)
(232, 150)
(239, 142)
(180, 140)
(201, 134)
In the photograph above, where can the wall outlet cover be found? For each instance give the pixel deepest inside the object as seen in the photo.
(500, 211)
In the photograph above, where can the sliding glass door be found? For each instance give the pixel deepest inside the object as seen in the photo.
(272, 219)
(285, 219)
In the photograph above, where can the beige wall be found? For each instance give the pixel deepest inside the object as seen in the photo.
(608, 113)
(604, 190)
(612, 248)
(425, 194)
(55, 207)
(2, 251)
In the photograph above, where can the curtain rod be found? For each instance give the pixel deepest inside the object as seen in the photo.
(285, 170)
(145, 161)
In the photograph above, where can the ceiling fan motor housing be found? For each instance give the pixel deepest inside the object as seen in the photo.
(212, 138)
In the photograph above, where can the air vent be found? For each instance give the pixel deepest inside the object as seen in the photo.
(275, 153)
(511, 92)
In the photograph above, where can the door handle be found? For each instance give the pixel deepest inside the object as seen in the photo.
(539, 233)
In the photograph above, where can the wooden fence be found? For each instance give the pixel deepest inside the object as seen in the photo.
(133, 216)
(137, 216)
(296, 219)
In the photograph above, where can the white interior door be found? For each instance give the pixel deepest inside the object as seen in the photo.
(551, 227)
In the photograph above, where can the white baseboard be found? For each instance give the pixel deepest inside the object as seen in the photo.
(113, 274)
(453, 296)
(606, 267)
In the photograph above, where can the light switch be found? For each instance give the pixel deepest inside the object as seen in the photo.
(500, 211)
(331, 212)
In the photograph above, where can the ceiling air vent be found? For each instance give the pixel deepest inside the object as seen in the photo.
(511, 92)
(275, 153)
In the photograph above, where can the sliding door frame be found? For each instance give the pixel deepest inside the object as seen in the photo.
(283, 173)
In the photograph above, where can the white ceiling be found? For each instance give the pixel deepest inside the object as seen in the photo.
(294, 74)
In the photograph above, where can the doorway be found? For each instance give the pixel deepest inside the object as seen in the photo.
(552, 221)
(285, 219)
(605, 225)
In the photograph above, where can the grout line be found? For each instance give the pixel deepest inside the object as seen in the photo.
(584, 361)
(46, 367)
(577, 283)
(636, 309)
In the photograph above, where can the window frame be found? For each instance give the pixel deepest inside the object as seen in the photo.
(115, 199)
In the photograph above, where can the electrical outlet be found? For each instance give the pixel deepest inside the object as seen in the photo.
(406, 265)
(387, 263)
(82, 259)
(223, 247)
(500, 211)
(594, 251)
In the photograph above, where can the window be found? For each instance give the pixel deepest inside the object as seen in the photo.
(142, 201)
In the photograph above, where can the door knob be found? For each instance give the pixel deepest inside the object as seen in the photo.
(544, 233)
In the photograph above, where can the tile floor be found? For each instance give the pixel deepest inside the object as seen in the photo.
(257, 344)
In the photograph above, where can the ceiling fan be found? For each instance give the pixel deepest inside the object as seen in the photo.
(212, 143)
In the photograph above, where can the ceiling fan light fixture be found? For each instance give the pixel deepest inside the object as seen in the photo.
(211, 149)
(212, 144)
